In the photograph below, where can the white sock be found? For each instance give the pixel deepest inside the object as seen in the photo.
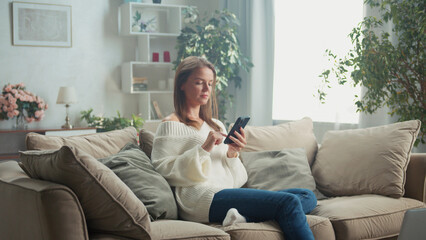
(233, 216)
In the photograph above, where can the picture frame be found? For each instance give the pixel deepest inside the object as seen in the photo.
(40, 24)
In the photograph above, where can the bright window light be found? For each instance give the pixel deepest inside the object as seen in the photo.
(303, 31)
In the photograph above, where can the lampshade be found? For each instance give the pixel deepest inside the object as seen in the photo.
(66, 95)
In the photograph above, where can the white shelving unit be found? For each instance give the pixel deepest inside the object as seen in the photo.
(160, 36)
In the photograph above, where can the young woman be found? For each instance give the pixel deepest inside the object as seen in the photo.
(207, 174)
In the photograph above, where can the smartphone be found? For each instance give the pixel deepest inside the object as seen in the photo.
(241, 122)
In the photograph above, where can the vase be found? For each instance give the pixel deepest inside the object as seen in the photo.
(20, 123)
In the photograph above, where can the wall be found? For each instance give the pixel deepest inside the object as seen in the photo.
(92, 65)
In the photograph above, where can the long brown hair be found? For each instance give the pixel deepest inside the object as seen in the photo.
(207, 111)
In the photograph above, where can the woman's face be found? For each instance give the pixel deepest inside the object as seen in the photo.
(198, 86)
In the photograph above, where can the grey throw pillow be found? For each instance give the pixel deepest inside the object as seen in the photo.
(134, 168)
(278, 170)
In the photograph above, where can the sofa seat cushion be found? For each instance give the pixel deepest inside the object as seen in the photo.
(365, 216)
(321, 228)
(176, 229)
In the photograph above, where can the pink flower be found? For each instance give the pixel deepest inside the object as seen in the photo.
(37, 114)
(30, 120)
(12, 100)
(8, 88)
(10, 114)
(21, 85)
(4, 108)
(16, 112)
(45, 106)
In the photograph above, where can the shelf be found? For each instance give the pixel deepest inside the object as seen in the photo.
(152, 81)
(167, 18)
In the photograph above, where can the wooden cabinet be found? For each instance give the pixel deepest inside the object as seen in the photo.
(13, 141)
(156, 27)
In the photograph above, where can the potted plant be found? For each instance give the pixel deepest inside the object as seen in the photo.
(391, 69)
(104, 124)
(215, 38)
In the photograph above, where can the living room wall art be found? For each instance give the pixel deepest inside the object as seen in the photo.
(38, 24)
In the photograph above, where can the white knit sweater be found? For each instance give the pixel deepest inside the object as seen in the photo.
(195, 173)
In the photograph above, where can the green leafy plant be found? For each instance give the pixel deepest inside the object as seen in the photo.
(104, 124)
(391, 67)
(214, 38)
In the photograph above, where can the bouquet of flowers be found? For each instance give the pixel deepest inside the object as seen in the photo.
(15, 101)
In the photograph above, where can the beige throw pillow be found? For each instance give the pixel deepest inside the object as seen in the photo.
(108, 204)
(98, 145)
(363, 161)
(297, 134)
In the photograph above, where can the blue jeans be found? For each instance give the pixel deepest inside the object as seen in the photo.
(287, 207)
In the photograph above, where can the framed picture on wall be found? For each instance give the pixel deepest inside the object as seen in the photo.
(37, 24)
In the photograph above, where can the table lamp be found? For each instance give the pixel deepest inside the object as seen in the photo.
(66, 96)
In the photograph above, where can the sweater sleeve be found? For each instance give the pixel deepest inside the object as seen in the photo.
(180, 159)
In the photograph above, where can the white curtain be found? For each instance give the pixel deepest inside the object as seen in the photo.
(256, 36)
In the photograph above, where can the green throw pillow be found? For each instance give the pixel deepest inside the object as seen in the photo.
(134, 168)
(279, 170)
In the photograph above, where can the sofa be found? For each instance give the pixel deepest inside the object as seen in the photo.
(72, 196)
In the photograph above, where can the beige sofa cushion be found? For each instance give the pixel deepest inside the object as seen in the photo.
(98, 145)
(175, 229)
(365, 216)
(109, 205)
(297, 134)
(321, 228)
(363, 161)
(146, 138)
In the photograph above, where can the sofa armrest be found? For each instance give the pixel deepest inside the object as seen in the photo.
(35, 209)
(415, 185)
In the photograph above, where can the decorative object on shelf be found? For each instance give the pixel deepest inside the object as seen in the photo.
(157, 110)
(15, 101)
(162, 84)
(66, 95)
(216, 39)
(155, 57)
(33, 25)
(143, 25)
(171, 83)
(166, 56)
(389, 65)
(104, 124)
(156, 1)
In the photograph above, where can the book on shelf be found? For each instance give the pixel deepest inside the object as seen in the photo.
(157, 110)
(140, 84)
(140, 87)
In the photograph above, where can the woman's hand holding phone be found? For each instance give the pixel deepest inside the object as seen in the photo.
(239, 143)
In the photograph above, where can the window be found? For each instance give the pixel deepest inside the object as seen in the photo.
(303, 31)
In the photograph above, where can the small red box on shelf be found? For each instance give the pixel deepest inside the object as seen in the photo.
(166, 56)
(155, 56)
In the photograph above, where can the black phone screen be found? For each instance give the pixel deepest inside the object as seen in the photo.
(241, 122)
